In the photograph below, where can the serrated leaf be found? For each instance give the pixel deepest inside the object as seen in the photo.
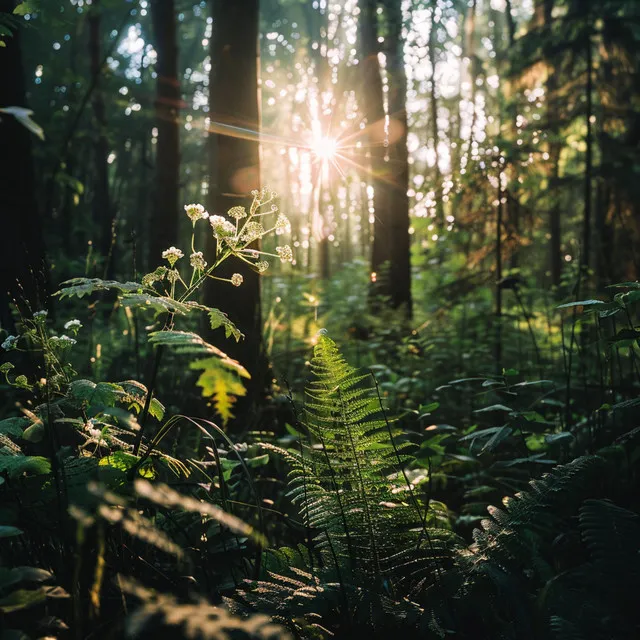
(161, 304)
(101, 394)
(218, 318)
(13, 426)
(81, 287)
(220, 384)
(191, 343)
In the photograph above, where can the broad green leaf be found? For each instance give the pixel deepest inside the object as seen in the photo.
(100, 394)
(124, 461)
(13, 426)
(81, 287)
(16, 466)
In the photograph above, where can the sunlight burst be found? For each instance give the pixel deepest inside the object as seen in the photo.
(325, 148)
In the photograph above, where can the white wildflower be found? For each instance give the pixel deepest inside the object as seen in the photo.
(237, 279)
(40, 315)
(282, 223)
(10, 342)
(172, 255)
(173, 276)
(222, 228)
(252, 231)
(196, 212)
(262, 266)
(237, 213)
(62, 341)
(197, 261)
(73, 324)
(284, 253)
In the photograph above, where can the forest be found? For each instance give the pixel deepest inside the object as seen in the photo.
(318, 319)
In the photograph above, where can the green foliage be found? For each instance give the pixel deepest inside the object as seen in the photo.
(81, 287)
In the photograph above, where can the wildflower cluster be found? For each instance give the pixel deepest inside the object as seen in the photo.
(35, 335)
(233, 234)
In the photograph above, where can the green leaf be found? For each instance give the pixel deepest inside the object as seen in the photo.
(494, 407)
(13, 426)
(219, 319)
(185, 342)
(23, 9)
(81, 287)
(582, 303)
(161, 304)
(23, 116)
(9, 532)
(124, 461)
(137, 393)
(16, 466)
(219, 383)
(102, 394)
(35, 432)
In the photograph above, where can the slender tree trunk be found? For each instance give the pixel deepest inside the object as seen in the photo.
(234, 168)
(23, 268)
(102, 210)
(399, 162)
(166, 189)
(437, 187)
(499, 277)
(555, 229)
(372, 106)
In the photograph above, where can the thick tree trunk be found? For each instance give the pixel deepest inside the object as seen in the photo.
(166, 188)
(101, 205)
(399, 162)
(23, 268)
(372, 107)
(234, 168)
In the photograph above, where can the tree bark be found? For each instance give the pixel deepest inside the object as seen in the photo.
(167, 106)
(399, 162)
(372, 107)
(234, 170)
(437, 187)
(101, 205)
(586, 238)
(555, 228)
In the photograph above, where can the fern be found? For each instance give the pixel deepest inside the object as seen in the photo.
(370, 534)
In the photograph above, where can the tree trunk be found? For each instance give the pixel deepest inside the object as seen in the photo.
(437, 187)
(102, 210)
(372, 107)
(23, 267)
(399, 162)
(166, 189)
(586, 238)
(555, 229)
(234, 170)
